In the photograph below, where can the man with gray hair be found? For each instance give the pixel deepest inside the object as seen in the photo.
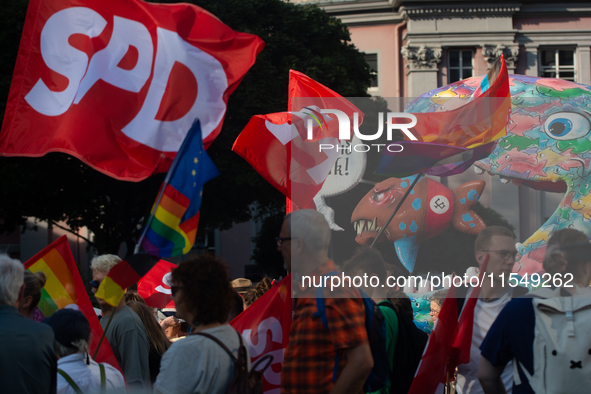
(123, 328)
(310, 357)
(27, 360)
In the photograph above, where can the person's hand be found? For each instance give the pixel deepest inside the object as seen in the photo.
(170, 321)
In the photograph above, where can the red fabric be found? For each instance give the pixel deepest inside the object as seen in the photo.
(154, 287)
(62, 246)
(265, 326)
(460, 352)
(449, 343)
(276, 145)
(432, 370)
(123, 113)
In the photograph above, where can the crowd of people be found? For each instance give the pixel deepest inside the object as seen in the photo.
(522, 342)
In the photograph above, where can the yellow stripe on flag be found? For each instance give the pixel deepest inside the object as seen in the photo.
(173, 222)
(55, 289)
(110, 292)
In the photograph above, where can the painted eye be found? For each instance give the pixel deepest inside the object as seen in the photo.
(379, 197)
(567, 126)
(507, 157)
(571, 226)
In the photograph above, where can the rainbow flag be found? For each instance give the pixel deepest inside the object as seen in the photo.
(64, 289)
(449, 142)
(172, 227)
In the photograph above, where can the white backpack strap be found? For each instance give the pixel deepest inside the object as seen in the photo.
(516, 377)
(570, 318)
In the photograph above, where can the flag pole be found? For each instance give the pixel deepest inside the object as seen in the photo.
(166, 181)
(419, 176)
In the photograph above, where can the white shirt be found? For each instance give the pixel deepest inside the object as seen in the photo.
(198, 365)
(87, 377)
(485, 313)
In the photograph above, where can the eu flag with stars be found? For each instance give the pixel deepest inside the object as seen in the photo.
(173, 225)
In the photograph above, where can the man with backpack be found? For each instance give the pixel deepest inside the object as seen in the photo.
(546, 333)
(320, 360)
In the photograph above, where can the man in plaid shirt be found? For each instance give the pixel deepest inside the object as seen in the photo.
(309, 360)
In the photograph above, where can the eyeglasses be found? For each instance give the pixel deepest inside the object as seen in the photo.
(280, 240)
(174, 290)
(505, 254)
(95, 283)
(435, 311)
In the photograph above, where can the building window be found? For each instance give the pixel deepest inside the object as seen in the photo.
(372, 60)
(460, 65)
(557, 63)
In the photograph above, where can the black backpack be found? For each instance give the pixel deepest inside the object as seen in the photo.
(407, 355)
(244, 382)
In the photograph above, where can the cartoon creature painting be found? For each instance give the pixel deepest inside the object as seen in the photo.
(550, 152)
(429, 209)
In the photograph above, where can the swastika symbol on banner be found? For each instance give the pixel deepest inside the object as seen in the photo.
(439, 204)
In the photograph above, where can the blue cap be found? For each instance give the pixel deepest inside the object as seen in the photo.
(68, 326)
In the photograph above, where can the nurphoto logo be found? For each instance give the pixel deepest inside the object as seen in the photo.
(345, 130)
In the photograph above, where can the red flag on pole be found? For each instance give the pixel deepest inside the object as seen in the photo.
(64, 289)
(154, 287)
(460, 349)
(118, 84)
(432, 371)
(278, 145)
(449, 343)
(265, 327)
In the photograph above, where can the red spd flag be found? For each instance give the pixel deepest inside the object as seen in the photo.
(154, 287)
(265, 327)
(118, 84)
(292, 150)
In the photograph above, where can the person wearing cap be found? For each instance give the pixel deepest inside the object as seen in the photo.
(27, 358)
(241, 285)
(77, 372)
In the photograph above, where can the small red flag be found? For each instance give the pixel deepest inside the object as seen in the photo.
(154, 287)
(265, 327)
(432, 371)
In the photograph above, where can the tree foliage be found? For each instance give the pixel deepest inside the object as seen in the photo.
(58, 187)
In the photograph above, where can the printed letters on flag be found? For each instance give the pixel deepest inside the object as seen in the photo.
(277, 145)
(118, 83)
(172, 227)
(265, 327)
(451, 141)
(64, 289)
(154, 287)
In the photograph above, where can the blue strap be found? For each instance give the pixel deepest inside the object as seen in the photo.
(321, 306)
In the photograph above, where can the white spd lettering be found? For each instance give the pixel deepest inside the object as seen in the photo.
(166, 280)
(273, 325)
(82, 74)
(62, 58)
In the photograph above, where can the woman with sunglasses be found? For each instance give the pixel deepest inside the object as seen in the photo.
(203, 297)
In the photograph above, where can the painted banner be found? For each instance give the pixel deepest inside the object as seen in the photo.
(118, 84)
(265, 327)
